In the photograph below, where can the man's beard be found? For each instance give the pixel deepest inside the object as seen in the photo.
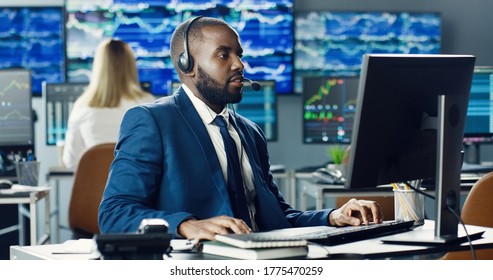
(213, 92)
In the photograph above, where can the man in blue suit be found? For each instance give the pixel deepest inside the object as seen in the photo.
(170, 161)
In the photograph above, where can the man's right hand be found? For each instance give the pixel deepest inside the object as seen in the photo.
(208, 228)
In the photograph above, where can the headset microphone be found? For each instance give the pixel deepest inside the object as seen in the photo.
(255, 85)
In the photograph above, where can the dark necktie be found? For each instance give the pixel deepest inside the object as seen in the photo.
(235, 180)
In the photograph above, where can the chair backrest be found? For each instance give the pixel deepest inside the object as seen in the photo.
(89, 183)
(477, 210)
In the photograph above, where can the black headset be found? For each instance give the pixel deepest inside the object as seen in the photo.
(185, 61)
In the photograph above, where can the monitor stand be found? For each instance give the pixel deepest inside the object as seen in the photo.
(450, 132)
(426, 237)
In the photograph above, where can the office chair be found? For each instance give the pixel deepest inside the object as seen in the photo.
(89, 183)
(477, 211)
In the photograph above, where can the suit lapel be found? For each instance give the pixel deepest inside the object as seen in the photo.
(202, 139)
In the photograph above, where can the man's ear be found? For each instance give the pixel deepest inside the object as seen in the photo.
(189, 74)
(184, 75)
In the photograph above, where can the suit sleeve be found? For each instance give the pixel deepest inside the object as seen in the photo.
(295, 217)
(135, 176)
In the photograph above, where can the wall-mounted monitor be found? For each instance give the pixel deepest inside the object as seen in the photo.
(32, 38)
(258, 106)
(479, 121)
(265, 29)
(16, 119)
(331, 43)
(329, 104)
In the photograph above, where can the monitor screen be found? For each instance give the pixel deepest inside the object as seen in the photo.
(258, 106)
(59, 99)
(479, 121)
(332, 43)
(329, 104)
(265, 29)
(32, 38)
(261, 107)
(16, 119)
(409, 125)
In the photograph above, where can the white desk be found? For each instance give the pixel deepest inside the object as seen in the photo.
(365, 249)
(31, 198)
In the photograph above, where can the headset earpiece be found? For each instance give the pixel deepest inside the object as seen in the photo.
(185, 60)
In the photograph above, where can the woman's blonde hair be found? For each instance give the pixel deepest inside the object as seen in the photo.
(114, 76)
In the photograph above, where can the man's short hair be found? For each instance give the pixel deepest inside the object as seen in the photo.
(194, 36)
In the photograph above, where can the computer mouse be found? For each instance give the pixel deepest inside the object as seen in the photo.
(5, 184)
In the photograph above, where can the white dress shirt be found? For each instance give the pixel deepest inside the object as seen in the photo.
(208, 116)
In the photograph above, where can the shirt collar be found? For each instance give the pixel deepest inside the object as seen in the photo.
(206, 114)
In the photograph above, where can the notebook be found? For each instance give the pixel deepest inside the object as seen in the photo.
(260, 240)
(328, 236)
(226, 250)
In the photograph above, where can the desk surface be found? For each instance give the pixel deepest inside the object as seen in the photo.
(365, 249)
(60, 171)
(26, 193)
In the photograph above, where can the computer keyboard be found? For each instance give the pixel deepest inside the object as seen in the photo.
(339, 235)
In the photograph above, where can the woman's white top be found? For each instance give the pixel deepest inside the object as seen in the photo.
(89, 126)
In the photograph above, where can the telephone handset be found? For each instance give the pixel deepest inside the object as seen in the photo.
(328, 176)
(153, 226)
(150, 242)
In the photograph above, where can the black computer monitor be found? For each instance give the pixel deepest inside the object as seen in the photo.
(258, 106)
(409, 125)
(479, 121)
(329, 104)
(16, 119)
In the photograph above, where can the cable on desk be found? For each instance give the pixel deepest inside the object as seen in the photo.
(473, 252)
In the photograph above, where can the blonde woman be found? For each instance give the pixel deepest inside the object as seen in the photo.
(113, 89)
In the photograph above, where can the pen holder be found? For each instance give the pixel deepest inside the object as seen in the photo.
(27, 172)
(409, 205)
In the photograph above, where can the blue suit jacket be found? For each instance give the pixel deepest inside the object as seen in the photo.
(166, 167)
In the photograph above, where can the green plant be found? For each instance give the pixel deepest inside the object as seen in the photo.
(336, 153)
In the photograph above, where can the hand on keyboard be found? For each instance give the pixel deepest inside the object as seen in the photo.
(356, 212)
(339, 235)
